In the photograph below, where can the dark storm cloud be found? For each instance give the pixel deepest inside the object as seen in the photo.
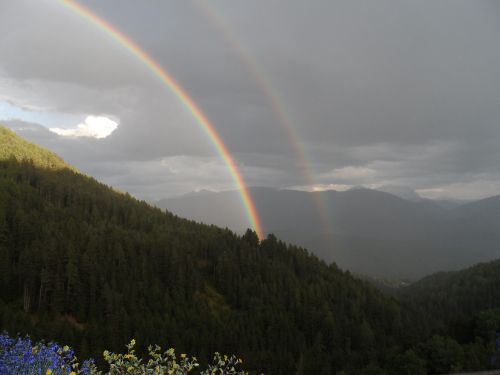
(382, 92)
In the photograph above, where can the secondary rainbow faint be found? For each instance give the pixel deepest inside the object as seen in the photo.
(161, 73)
(274, 101)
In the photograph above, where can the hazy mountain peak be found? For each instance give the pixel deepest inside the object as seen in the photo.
(358, 187)
(199, 193)
(401, 191)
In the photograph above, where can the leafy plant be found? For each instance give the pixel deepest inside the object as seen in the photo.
(18, 356)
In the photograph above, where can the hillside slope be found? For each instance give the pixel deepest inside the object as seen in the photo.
(14, 146)
(93, 268)
(90, 267)
(457, 297)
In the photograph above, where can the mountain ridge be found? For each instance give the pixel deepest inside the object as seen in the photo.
(364, 230)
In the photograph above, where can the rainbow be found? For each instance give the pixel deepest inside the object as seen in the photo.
(184, 97)
(274, 101)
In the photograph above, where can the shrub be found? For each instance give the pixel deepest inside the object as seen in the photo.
(18, 356)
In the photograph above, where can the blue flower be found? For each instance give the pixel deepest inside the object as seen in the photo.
(20, 356)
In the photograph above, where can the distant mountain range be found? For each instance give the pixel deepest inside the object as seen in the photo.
(366, 231)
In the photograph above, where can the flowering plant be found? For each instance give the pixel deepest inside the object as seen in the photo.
(19, 356)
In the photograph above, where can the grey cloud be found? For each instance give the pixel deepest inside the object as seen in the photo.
(407, 91)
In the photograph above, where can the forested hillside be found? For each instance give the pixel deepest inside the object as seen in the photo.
(464, 300)
(465, 307)
(94, 268)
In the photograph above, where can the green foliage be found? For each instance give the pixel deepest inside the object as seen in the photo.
(487, 324)
(165, 363)
(444, 355)
(13, 146)
(461, 311)
(21, 356)
(222, 364)
(409, 363)
(456, 297)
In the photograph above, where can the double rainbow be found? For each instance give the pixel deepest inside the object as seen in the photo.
(275, 102)
(167, 79)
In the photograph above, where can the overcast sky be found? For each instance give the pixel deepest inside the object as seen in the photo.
(376, 92)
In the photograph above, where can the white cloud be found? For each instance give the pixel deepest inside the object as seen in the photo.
(478, 188)
(94, 127)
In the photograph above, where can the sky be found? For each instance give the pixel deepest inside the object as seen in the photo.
(309, 95)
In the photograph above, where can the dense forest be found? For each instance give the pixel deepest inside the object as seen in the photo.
(93, 268)
(467, 302)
